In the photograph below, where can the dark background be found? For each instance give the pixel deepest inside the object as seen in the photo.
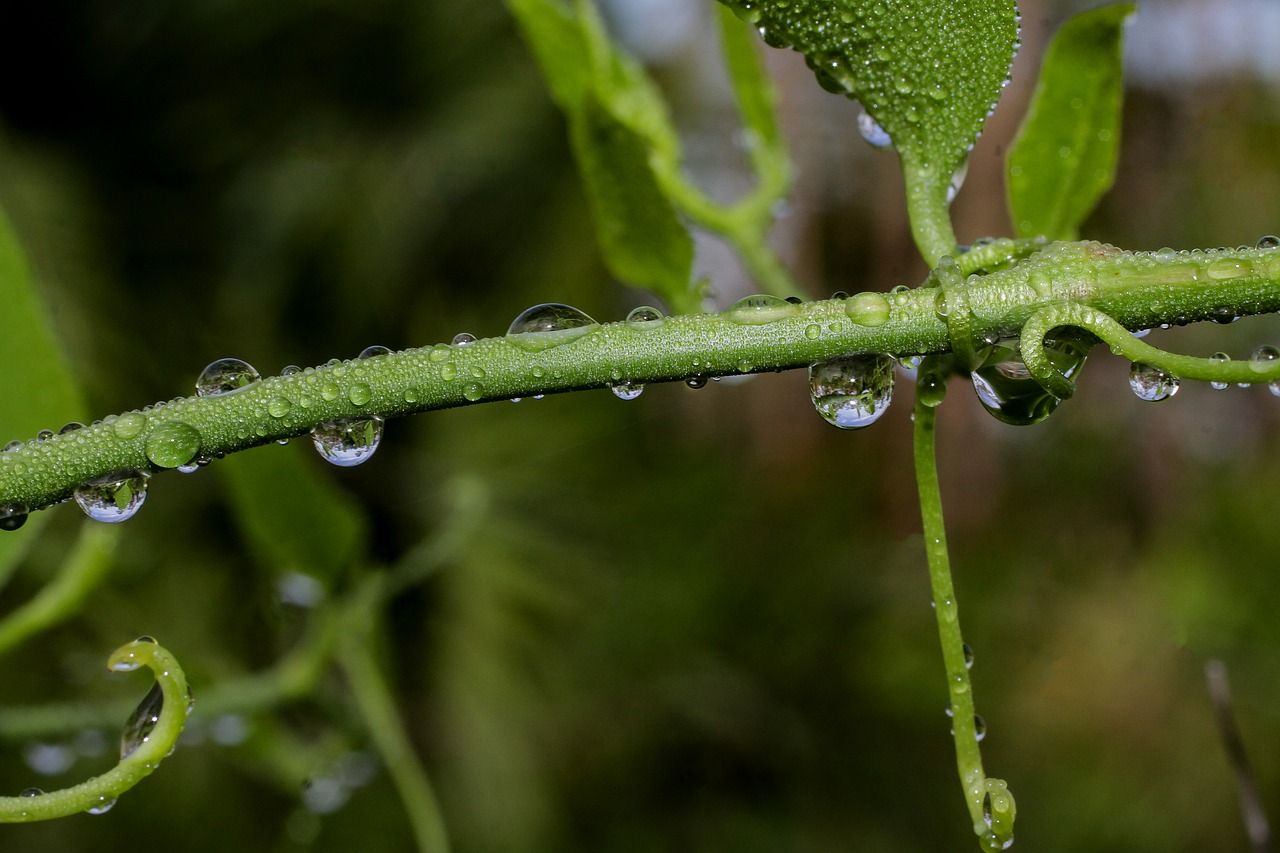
(698, 621)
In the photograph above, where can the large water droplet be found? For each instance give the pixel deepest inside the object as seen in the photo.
(852, 391)
(548, 325)
(1007, 389)
(1151, 383)
(1268, 242)
(374, 351)
(627, 390)
(759, 309)
(348, 441)
(173, 443)
(142, 721)
(868, 309)
(224, 376)
(463, 339)
(644, 317)
(12, 516)
(115, 497)
(128, 425)
(875, 135)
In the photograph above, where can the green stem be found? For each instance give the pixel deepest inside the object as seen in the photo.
(927, 210)
(990, 805)
(1137, 290)
(101, 791)
(376, 704)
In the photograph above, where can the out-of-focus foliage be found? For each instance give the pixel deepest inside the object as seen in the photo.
(695, 621)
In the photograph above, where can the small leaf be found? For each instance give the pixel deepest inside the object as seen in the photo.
(295, 519)
(1064, 158)
(928, 72)
(640, 236)
(559, 45)
(37, 389)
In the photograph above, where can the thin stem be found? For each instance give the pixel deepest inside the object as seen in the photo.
(927, 210)
(100, 792)
(1255, 817)
(376, 703)
(990, 805)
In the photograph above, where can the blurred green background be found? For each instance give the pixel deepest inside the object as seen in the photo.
(698, 621)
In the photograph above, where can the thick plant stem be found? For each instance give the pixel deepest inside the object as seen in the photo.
(990, 805)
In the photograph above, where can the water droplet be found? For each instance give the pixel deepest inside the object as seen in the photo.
(813, 331)
(1260, 360)
(759, 309)
(44, 435)
(1268, 242)
(173, 443)
(1224, 315)
(142, 721)
(360, 394)
(853, 391)
(1150, 383)
(548, 325)
(104, 805)
(374, 351)
(348, 441)
(291, 370)
(278, 406)
(875, 135)
(31, 792)
(71, 427)
(868, 309)
(128, 425)
(696, 382)
(968, 656)
(225, 376)
(12, 516)
(115, 497)
(16, 444)
(627, 390)
(1227, 269)
(957, 181)
(473, 391)
(644, 317)
(979, 727)
(1219, 357)
(1007, 389)
(463, 339)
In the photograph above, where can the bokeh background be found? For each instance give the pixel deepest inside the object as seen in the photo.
(698, 621)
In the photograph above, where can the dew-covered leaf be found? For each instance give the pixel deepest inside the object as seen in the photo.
(928, 72)
(640, 236)
(295, 519)
(37, 389)
(1064, 158)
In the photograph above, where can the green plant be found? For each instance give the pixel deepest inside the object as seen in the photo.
(1057, 299)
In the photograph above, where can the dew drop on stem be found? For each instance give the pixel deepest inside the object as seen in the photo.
(113, 498)
(627, 390)
(1009, 392)
(1268, 242)
(854, 391)
(759, 309)
(548, 325)
(172, 444)
(374, 351)
(1151, 383)
(142, 721)
(644, 317)
(104, 805)
(225, 376)
(348, 441)
(1220, 357)
(873, 133)
(463, 339)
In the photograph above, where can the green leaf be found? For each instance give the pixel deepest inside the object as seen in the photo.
(929, 72)
(295, 519)
(640, 236)
(559, 45)
(38, 389)
(1064, 158)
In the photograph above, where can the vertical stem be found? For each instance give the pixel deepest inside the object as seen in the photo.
(968, 757)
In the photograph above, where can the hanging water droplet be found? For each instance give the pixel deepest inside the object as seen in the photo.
(1151, 383)
(875, 135)
(548, 325)
(374, 351)
(225, 376)
(644, 317)
(852, 392)
(113, 498)
(1268, 242)
(12, 516)
(759, 309)
(104, 805)
(348, 441)
(979, 728)
(173, 443)
(957, 180)
(868, 309)
(696, 382)
(1010, 393)
(968, 656)
(463, 339)
(627, 390)
(1219, 357)
(142, 721)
